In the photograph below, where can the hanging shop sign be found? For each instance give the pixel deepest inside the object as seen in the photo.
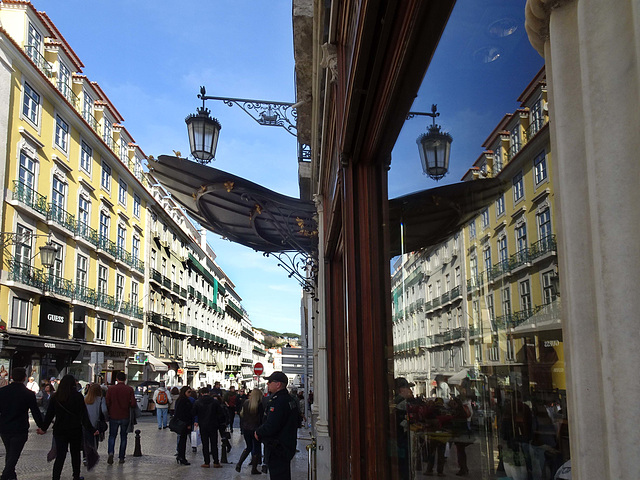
(54, 318)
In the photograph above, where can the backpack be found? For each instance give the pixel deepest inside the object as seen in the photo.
(161, 397)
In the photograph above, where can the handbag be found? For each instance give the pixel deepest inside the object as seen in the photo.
(177, 426)
(196, 440)
(102, 422)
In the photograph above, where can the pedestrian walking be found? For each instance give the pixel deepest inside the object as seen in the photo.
(280, 427)
(70, 412)
(210, 420)
(96, 409)
(251, 416)
(44, 397)
(15, 403)
(120, 399)
(183, 413)
(33, 385)
(230, 400)
(162, 399)
(175, 392)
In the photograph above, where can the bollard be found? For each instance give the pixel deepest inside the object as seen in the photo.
(137, 452)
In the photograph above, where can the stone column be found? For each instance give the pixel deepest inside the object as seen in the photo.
(591, 49)
(320, 408)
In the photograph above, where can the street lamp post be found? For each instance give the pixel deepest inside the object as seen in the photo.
(434, 147)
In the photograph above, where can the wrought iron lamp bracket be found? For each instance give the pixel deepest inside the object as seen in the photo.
(264, 112)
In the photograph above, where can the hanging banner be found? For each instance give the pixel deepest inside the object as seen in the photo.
(54, 318)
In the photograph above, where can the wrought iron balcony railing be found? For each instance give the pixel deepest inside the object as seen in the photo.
(71, 97)
(86, 232)
(29, 197)
(33, 52)
(60, 216)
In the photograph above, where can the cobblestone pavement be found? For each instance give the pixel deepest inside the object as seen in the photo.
(158, 450)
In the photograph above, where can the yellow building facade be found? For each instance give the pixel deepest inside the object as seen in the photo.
(512, 274)
(72, 177)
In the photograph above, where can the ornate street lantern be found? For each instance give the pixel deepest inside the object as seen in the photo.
(48, 253)
(435, 148)
(204, 131)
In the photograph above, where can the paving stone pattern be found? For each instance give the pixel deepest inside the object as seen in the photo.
(158, 450)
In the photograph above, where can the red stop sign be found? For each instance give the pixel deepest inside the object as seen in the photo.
(258, 369)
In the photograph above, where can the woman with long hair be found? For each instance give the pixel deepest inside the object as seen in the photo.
(70, 412)
(96, 404)
(250, 419)
(183, 412)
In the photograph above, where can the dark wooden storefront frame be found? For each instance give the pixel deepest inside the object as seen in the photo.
(384, 49)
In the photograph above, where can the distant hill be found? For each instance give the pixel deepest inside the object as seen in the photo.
(278, 334)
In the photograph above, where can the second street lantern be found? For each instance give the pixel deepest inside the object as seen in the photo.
(435, 149)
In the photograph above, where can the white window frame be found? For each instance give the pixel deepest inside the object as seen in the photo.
(82, 270)
(62, 134)
(518, 187)
(133, 335)
(500, 206)
(86, 157)
(123, 189)
(22, 315)
(524, 290)
(105, 177)
(137, 203)
(31, 105)
(101, 328)
(540, 173)
(118, 330)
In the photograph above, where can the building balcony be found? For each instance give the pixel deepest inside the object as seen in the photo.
(59, 286)
(183, 292)
(84, 233)
(71, 97)
(541, 248)
(107, 302)
(107, 247)
(58, 216)
(91, 120)
(192, 292)
(27, 275)
(175, 288)
(436, 302)
(456, 292)
(166, 282)
(137, 265)
(123, 257)
(23, 195)
(156, 276)
(33, 52)
(445, 297)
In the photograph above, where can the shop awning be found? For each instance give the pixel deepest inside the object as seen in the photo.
(266, 221)
(156, 364)
(458, 377)
(48, 344)
(238, 209)
(431, 216)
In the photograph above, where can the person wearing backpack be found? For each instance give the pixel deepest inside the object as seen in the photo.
(162, 399)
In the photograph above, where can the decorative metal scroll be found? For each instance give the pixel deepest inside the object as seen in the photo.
(298, 265)
(270, 114)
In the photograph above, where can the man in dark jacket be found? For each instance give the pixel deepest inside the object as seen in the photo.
(15, 402)
(211, 419)
(280, 427)
(120, 398)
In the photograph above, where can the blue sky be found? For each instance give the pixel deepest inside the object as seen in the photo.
(150, 58)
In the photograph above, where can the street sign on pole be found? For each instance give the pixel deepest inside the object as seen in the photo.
(258, 369)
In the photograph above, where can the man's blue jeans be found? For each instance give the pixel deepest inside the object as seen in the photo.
(162, 414)
(113, 433)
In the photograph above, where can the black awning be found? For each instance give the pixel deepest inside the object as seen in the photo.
(431, 216)
(49, 344)
(264, 220)
(238, 209)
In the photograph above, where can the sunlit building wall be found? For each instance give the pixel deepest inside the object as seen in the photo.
(72, 175)
(512, 268)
